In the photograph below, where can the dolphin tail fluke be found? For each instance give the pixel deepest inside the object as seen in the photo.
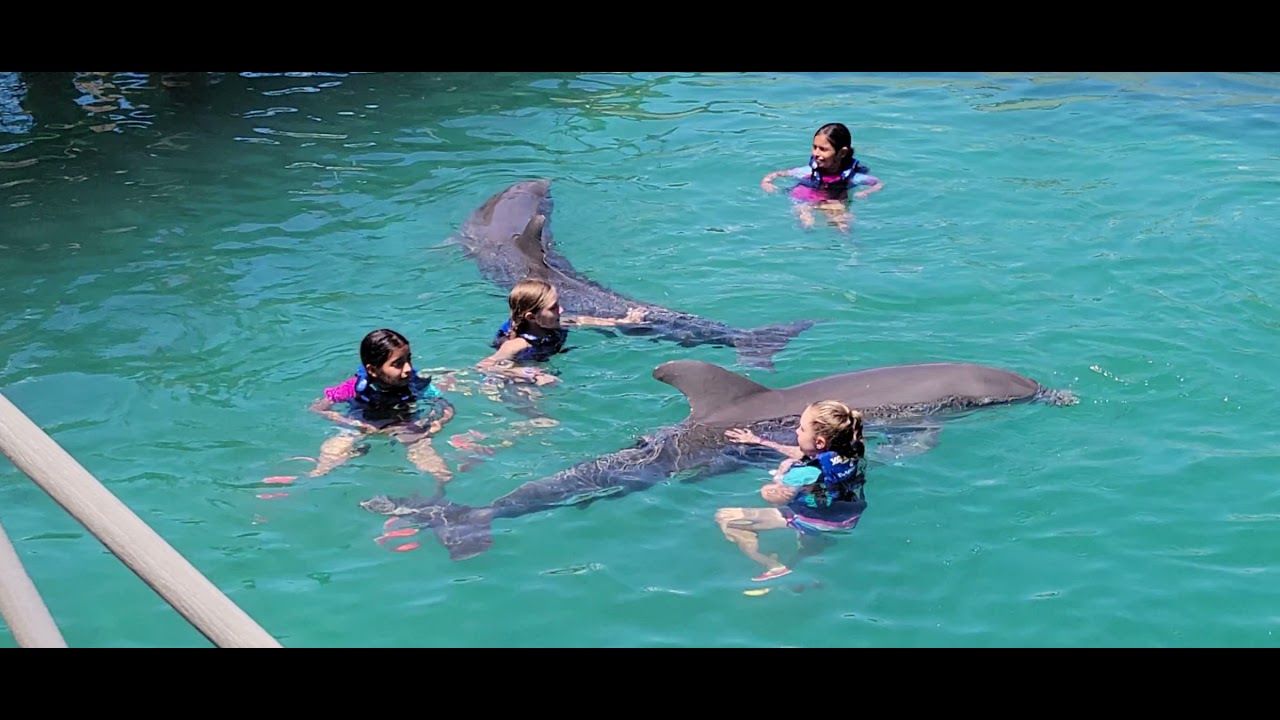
(465, 531)
(756, 347)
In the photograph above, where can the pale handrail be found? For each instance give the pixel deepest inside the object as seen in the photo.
(20, 604)
(125, 534)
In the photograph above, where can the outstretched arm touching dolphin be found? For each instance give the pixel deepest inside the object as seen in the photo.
(635, 316)
(775, 492)
(746, 437)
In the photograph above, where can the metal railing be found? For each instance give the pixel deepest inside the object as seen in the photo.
(125, 535)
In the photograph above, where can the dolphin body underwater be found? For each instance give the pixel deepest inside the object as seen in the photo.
(509, 238)
(900, 396)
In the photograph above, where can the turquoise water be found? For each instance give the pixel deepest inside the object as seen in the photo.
(186, 266)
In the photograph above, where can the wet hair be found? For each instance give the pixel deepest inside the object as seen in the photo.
(841, 426)
(839, 137)
(529, 295)
(378, 345)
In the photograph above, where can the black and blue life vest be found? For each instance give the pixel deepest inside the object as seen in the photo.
(376, 400)
(842, 480)
(541, 347)
(840, 184)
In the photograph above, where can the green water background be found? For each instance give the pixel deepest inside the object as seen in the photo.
(183, 269)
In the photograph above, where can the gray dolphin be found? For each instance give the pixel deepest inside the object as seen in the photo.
(509, 238)
(697, 447)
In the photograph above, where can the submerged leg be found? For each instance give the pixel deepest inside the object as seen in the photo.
(805, 213)
(838, 213)
(425, 458)
(741, 526)
(335, 451)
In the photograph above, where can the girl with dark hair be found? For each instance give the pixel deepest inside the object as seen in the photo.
(825, 182)
(385, 396)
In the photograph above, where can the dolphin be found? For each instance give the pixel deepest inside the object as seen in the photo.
(509, 238)
(697, 448)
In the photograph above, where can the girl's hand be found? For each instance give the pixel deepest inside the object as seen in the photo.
(742, 435)
(777, 493)
(352, 422)
(536, 375)
(782, 469)
(767, 185)
(861, 194)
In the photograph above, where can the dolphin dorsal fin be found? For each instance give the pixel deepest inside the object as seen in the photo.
(529, 243)
(707, 387)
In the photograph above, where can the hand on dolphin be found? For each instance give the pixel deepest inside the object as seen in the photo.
(634, 316)
(742, 435)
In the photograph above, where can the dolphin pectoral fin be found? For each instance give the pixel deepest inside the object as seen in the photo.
(1060, 398)
(722, 464)
(464, 547)
(587, 501)
(464, 531)
(905, 442)
(756, 347)
(583, 500)
(690, 476)
(635, 329)
(755, 456)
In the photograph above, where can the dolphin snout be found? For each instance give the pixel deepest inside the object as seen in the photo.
(380, 505)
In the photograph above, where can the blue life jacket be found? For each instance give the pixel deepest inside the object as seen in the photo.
(838, 186)
(379, 401)
(842, 481)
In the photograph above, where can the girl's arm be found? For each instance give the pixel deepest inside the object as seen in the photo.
(323, 407)
(444, 418)
(873, 183)
(344, 393)
(767, 181)
(437, 417)
(775, 493)
(783, 467)
(742, 435)
(789, 483)
(432, 421)
(634, 316)
(502, 363)
(504, 355)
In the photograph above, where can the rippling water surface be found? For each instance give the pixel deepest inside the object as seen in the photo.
(188, 260)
